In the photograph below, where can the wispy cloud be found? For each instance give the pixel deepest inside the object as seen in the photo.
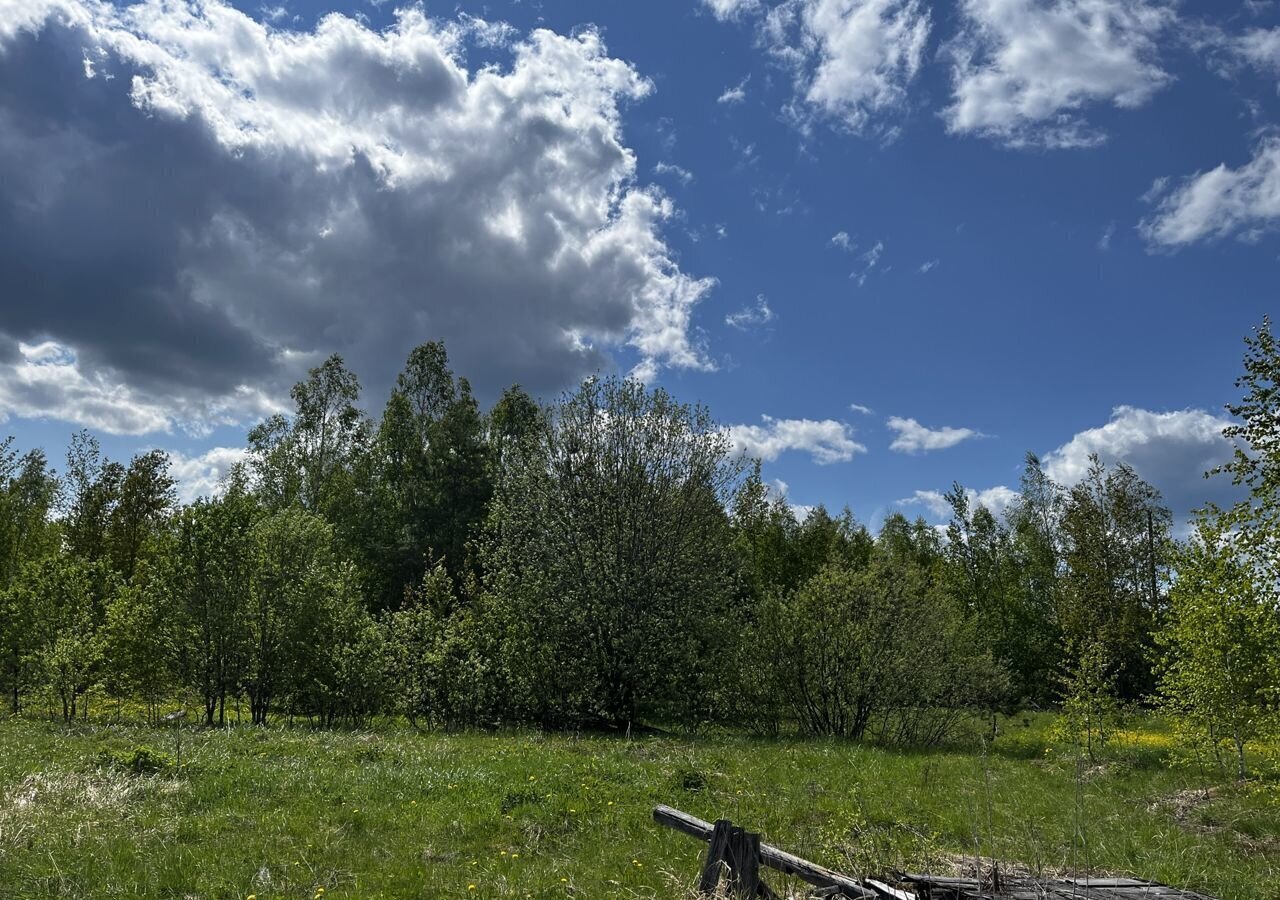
(869, 260)
(735, 94)
(679, 172)
(1104, 242)
(912, 437)
(751, 316)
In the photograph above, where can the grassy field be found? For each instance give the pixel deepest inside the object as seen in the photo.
(393, 813)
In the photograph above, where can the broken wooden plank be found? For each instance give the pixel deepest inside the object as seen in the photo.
(779, 860)
(942, 887)
(891, 893)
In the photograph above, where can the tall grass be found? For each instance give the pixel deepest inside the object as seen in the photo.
(97, 810)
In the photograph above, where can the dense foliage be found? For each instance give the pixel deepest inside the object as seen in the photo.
(606, 560)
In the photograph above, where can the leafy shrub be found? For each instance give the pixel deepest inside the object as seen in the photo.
(516, 799)
(142, 760)
(691, 780)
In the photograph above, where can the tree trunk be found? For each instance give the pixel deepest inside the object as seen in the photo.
(1242, 770)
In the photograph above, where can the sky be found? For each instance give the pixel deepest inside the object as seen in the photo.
(892, 244)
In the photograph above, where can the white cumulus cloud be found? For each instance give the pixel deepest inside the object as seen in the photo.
(996, 499)
(1025, 70)
(826, 440)
(1162, 447)
(1221, 202)
(1171, 450)
(49, 381)
(244, 198)
(203, 475)
(852, 60)
(728, 10)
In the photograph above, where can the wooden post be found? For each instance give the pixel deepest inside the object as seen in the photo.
(744, 863)
(733, 852)
(715, 856)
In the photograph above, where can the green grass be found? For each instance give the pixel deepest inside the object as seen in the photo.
(394, 813)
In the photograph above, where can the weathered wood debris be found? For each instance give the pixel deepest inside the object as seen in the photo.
(735, 856)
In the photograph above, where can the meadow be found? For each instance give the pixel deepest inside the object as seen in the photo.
(120, 810)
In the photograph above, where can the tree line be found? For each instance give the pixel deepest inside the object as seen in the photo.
(607, 559)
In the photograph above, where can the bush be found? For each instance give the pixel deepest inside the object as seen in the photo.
(879, 652)
(142, 760)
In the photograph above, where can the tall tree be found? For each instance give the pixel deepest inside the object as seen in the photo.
(292, 578)
(988, 577)
(209, 579)
(140, 635)
(1255, 461)
(429, 479)
(70, 597)
(92, 490)
(28, 492)
(1117, 543)
(610, 553)
(147, 497)
(1035, 531)
(307, 459)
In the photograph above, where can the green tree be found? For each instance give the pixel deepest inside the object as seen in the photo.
(1255, 462)
(338, 664)
(1034, 521)
(1220, 672)
(292, 577)
(512, 421)
(28, 492)
(1090, 710)
(308, 459)
(91, 492)
(70, 596)
(1116, 540)
(429, 477)
(610, 555)
(147, 497)
(208, 576)
(995, 576)
(882, 649)
(140, 635)
(438, 672)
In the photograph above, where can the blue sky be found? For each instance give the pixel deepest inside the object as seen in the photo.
(995, 226)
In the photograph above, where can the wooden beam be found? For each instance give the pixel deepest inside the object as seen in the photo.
(779, 860)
